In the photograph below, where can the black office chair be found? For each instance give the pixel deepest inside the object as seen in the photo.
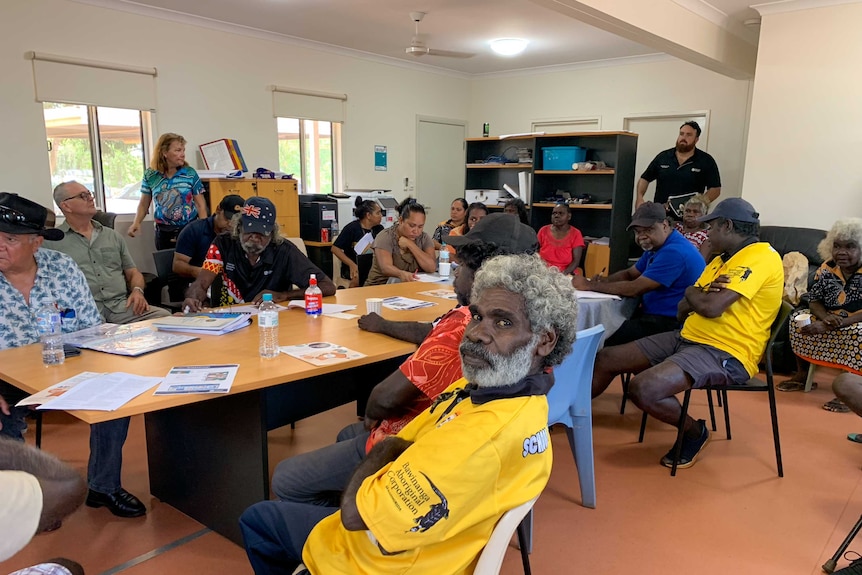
(753, 384)
(107, 219)
(164, 260)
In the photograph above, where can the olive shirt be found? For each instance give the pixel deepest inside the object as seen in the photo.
(403, 260)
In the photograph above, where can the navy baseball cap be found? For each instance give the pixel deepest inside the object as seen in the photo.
(258, 216)
(735, 209)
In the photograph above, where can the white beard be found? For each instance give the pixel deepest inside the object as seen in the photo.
(503, 370)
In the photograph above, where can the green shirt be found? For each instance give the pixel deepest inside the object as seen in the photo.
(103, 260)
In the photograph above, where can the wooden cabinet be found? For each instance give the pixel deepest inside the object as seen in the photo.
(282, 193)
(610, 190)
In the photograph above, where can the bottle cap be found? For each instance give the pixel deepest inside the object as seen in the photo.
(267, 297)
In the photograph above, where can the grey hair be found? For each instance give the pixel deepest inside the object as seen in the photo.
(848, 229)
(701, 201)
(236, 230)
(549, 297)
(60, 192)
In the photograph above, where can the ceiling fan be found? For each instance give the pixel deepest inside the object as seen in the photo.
(418, 48)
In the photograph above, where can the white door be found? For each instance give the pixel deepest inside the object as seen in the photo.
(657, 133)
(440, 162)
(571, 125)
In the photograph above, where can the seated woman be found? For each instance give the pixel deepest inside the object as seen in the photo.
(369, 216)
(516, 207)
(834, 336)
(403, 249)
(560, 243)
(693, 230)
(475, 212)
(457, 216)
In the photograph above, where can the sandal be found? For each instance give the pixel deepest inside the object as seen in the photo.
(836, 406)
(855, 437)
(790, 385)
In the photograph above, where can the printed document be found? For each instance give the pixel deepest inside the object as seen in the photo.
(57, 389)
(321, 353)
(106, 392)
(198, 379)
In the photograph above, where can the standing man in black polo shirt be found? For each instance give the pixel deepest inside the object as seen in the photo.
(681, 171)
(253, 260)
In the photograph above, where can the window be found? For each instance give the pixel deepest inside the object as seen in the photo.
(308, 149)
(102, 148)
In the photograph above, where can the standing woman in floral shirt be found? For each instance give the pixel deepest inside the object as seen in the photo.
(176, 189)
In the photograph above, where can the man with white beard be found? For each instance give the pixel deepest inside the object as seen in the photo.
(427, 500)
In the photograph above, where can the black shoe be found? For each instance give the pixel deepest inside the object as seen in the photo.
(121, 503)
(855, 568)
(690, 448)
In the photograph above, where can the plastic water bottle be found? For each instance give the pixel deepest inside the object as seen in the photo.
(48, 323)
(267, 327)
(313, 298)
(333, 230)
(445, 267)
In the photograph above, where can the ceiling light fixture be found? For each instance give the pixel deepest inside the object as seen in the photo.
(508, 46)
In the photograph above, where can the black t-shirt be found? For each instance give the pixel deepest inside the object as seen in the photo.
(696, 175)
(278, 269)
(352, 233)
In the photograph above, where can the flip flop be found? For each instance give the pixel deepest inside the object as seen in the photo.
(790, 385)
(855, 437)
(836, 406)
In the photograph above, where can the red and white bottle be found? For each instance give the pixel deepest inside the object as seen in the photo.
(313, 298)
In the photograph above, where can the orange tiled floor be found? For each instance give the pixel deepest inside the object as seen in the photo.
(729, 514)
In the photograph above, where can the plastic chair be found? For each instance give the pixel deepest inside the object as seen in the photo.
(569, 403)
(491, 558)
(753, 384)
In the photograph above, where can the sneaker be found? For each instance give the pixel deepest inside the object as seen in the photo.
(690, 449)
(855, 568)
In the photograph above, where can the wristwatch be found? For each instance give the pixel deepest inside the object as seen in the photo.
(138, 288)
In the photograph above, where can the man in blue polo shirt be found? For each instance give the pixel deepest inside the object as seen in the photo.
(195, 239)
(670, 264)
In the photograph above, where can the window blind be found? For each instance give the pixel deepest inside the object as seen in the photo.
(77, 81)
(307, 104)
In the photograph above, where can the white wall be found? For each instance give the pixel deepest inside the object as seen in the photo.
(804, 144)
(212, 85)
(511, 104)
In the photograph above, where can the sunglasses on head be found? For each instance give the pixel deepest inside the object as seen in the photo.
(11, 216)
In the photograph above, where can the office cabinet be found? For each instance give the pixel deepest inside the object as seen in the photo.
(282, 193)
(492, 162)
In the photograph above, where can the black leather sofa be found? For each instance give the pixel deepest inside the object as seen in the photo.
(785, 240)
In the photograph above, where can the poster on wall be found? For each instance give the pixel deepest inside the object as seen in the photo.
(380, 158)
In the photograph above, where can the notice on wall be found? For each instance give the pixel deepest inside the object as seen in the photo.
(380, 158)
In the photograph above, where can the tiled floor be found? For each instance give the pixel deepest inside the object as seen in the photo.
(729, 514)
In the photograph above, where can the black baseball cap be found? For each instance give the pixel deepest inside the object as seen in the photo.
(647, 214)
(231, 204)
(735, 209)
(503, 230)
(21, 216)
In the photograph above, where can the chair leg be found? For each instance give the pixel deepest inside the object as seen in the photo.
(726, 413)
(643, 427)
(527, 525)
(773, 411)
(711, 407)
(809, 379)
(681, 429)
(38, 416)
(718, 396)
(625, 377)
(581, 441)
(522, 543)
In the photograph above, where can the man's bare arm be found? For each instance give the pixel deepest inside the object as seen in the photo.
(412, 331)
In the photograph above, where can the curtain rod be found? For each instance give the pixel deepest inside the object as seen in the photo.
(303, 92)
(91, 63)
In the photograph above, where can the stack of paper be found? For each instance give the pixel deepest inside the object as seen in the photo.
(405, 303)
(212, 323)
(328, 308)
(94, 391)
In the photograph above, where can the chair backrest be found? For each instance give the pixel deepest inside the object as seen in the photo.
(783, 313)
(492, 555)
(105, 218)
(164, 260)
(573, 377)
(298, 243)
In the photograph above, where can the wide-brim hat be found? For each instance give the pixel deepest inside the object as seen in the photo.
(503, 230)
(21, 216)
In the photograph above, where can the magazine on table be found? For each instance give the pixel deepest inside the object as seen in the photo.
(131, 340)
(405, 303)
(321, 353)
(198, 379)
(213, 322)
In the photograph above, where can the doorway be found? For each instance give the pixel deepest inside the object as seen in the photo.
(440, 165)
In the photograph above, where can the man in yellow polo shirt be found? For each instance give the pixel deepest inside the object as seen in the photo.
(727, 316)
(426, 501)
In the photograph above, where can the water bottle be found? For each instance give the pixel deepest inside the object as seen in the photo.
(445, 267)
(313, 298)
(50, 329)
(267, 327)
(333, 230)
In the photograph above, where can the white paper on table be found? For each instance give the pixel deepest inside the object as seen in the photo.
(363, 243)
(431, 278)
(441, 293)
(405, 303)
(328, 308)
(106, 392)
(198, 379)
(587, 294)
(57, 389)
(321, 353)
(251, 308)
(341, 315)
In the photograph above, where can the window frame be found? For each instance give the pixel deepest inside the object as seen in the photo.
(335, 134)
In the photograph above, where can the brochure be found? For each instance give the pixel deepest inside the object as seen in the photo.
(441, 293)
(321, 353)
(213, 323)
(405, 303)
(131, 340)
(57, 389)
(198, 379)
(105, 392)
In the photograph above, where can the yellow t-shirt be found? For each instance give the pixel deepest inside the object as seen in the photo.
(756, 273)
(435, 506)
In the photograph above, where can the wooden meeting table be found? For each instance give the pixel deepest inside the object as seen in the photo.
(207, 454)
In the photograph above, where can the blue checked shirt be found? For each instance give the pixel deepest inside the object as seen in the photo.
(58, 281)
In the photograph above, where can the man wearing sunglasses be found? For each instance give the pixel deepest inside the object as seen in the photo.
(102, 254)
(31, 278)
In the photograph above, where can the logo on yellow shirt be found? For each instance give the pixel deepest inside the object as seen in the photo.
(536, 443)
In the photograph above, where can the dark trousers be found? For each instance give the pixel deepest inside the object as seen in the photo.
(166, 236)
(641, 325)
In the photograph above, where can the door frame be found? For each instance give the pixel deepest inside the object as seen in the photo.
(704, 129)
(437, 120)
